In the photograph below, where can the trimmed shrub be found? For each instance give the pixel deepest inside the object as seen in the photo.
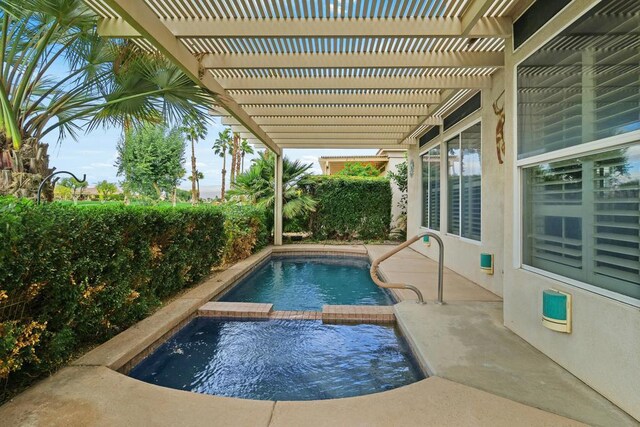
(350, 207)
(84, 273)
(245, 231)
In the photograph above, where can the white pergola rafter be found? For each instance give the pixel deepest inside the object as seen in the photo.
(360, 110)
(249, 97)
(343, 143)
(319, 27)
(313, 129)
(277, 136)
(333, 121)
(355, 60)
(431, 82)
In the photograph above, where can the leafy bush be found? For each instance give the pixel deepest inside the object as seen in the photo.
(245, 230)
(84, 273)
(359, 169)
(350, 207)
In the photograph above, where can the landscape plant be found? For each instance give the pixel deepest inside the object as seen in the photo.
(359, 169)
(400, 178)
(349, 207)
(257, 186)
(150, 159)
(76, 187)
(221, 147)
(81, 274)
(245, 148)
(195, 130)
(106, 82)
(106, 189)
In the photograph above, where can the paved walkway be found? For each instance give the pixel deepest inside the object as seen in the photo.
(465, 341)
(90, 392)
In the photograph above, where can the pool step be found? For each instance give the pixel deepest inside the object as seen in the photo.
(330, 313)
(245, 310)
(357, 314)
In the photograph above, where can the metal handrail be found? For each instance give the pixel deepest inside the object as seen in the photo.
(376, 264)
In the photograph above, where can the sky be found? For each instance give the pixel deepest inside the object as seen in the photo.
(94, 154)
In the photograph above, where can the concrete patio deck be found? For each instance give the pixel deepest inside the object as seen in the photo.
(483, 375)
(465, 341)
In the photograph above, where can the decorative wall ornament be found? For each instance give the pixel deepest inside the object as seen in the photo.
(500, 145)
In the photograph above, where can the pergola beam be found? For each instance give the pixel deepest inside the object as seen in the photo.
(145, 21)
(279, 136)
(342, 129)
(336, 98)
(348, 143)
(473, 14)
(337, 110)
(335, 121)
(355, 60)
(431, 82)
(317, 27)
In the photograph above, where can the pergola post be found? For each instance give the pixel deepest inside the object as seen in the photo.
(277, 214)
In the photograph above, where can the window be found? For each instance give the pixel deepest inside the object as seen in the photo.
(582, 219)
(584, 84)
(581, 213)
(464, 172)
(431, 189)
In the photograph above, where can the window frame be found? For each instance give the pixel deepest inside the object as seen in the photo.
(584, 149)
(452, 133)
(435, 143)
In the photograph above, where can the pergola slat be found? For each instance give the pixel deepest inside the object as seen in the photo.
(356, 60)
(421, 27)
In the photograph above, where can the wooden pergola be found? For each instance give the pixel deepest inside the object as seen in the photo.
(325, 73)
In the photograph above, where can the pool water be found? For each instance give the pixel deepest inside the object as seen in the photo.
(309, 283)
(281, 360)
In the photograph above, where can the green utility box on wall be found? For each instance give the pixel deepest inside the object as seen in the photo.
(486, 263)
(556, 310)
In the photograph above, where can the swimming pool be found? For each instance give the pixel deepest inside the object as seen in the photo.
(308, 283)
(281, 360)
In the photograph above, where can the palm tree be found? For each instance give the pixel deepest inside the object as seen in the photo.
(198, 176)
(108, 83)
(195, 130)
(245, 148)
(221, 147)
(235, 156)
(257, 186)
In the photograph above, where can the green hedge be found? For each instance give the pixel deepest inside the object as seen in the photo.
(350, 207)
(88, 272)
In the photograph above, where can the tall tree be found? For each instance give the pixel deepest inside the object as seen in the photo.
(150, 159)
(108, 82)
(75, 186)
(106, 189)
(221, 147)
(235, 153)
(245, 148)
(195, 130)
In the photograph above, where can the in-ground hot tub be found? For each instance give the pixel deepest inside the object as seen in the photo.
(281, 359)
(285, 359)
